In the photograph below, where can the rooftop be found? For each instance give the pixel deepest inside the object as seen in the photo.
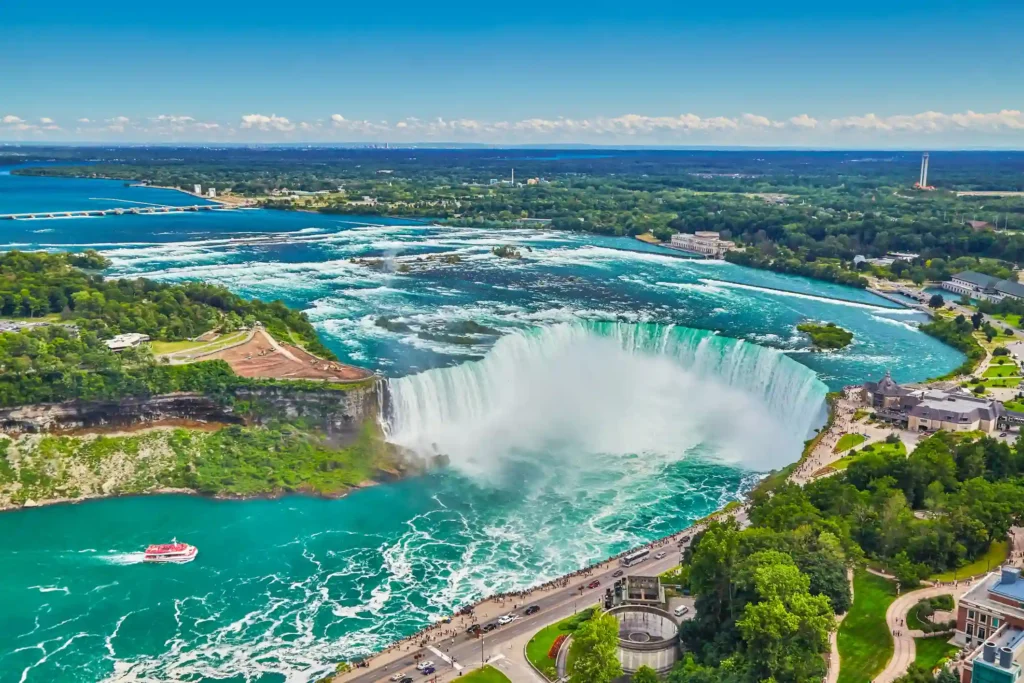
(989, 282)
(980, 593)
(1010, 584)
(956, 407)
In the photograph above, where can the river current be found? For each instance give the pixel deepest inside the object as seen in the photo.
(594, 394)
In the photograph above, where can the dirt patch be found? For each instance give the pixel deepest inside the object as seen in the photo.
(264, 357)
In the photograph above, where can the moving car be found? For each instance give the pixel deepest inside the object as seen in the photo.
(618, 573)
(397, 677)
(594, 584)
(660, 555)
(425, 665)
(426, 672)
(407, 679)
(532, 609)
(681, 610)
(505, 619)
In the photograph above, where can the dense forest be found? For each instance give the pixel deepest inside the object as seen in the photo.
(766, 595)
(33, 285)
(64, 356)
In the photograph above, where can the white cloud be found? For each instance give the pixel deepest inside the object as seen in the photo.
(267, 123)
(802, 121)
(1002, 128)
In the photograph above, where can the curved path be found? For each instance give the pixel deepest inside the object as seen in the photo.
(905, 650)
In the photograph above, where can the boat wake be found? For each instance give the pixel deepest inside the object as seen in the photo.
(122, 558)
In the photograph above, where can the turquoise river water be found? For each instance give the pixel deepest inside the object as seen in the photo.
(616, 394)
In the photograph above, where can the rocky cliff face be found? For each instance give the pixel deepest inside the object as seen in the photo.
(338, 413)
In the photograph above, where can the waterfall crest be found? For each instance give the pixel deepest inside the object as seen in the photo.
(582, 388)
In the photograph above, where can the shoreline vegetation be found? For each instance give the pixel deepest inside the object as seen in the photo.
(827, 336)
(56, 359)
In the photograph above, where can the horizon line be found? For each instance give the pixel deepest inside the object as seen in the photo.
(487, 145)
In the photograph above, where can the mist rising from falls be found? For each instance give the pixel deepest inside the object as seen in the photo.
(572, 392)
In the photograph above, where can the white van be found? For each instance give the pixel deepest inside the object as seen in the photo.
(681, 610)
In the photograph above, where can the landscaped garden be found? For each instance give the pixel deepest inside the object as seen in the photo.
(932, 650)
(848, 441)
(882, 447)
(920, 616)
(865, 644)
(541, 651)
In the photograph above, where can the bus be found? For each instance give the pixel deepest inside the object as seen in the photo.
(635, 558)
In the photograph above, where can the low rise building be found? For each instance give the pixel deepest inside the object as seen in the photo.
(709, 244)
(126, 341)
(929, 410)
(885, 393)
(981, 286)
(990, 619)
(955, 412)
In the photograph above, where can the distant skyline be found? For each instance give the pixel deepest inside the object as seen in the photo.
(942, 74)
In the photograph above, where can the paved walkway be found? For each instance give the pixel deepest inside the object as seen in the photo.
(905, 650)
(833, 643)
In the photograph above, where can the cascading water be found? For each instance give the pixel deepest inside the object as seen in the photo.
(579, 389)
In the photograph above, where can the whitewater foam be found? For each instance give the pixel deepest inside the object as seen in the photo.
(584, 388)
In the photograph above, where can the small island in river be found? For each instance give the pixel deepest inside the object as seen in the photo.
(827, 336)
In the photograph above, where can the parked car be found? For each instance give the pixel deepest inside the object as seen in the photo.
(473, 628)
(505, 619)
(594, 584)
(532, 609)
(618, 573)
(681, 610)
(490, 627)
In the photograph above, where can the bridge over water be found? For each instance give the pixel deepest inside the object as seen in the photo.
(118, 211)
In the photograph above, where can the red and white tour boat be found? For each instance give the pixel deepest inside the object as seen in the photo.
(171, 552)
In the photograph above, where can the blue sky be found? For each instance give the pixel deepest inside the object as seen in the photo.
(896, 73)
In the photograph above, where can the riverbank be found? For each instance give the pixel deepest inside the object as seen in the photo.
(232, 463)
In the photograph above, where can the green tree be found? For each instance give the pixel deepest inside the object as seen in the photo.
(594, 652)
(787, 630)
(645, 674)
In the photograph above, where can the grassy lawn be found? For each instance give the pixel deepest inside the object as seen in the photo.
(848, 441)
(1011, 319)
(487, 674)
(1002, 382)
(1016, 406)
(881, 447)
(1008, 370)
(160, 347)
(865, 644)
(930, 651)
(537, 648)
(995, 556)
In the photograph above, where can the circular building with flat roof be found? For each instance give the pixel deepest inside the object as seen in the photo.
(647, 636)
